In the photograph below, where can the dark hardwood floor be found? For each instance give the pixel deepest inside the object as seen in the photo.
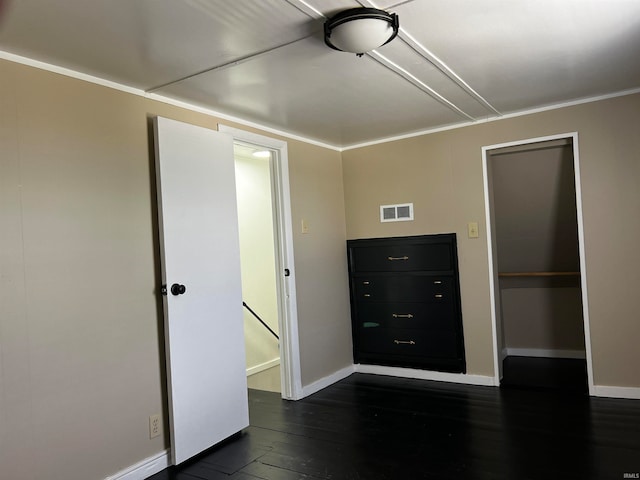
(369, 427)
(566, 375)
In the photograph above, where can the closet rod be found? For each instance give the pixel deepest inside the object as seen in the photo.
(538, 274)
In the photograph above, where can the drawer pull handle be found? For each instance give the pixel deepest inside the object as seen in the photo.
(367, 295)
(437, 282)
(438, 295)
(365, 283)
(398, 258)
(404, 342)
(402, 315)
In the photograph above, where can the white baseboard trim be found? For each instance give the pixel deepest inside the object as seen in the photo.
(427, 375)
(326, 381)
(263, 366)
(616, 392)
(546, 353)
(503, 354)
(144, 469)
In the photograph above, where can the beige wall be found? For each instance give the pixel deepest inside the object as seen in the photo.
(80, 324)
(542, 318)
(534, 203)
(442, 174)
(321, 261)
(79, 333)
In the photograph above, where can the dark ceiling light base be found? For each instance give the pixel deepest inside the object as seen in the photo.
(359, 30)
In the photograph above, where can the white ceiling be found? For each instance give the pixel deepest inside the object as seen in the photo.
(265, 61)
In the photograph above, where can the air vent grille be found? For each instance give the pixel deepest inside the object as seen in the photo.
(402, 212)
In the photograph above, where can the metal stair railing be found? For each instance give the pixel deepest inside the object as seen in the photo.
(260, 320)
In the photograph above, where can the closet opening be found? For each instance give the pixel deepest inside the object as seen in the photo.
(536, 259)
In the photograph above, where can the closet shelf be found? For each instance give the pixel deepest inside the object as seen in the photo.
(539, 274)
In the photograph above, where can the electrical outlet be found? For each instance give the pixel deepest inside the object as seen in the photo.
(155, 425)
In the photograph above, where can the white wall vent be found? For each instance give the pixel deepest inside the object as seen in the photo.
(396, 213)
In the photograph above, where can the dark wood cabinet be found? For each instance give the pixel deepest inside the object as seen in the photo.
(405, 302)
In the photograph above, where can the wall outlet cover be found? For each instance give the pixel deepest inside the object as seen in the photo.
(155, 425)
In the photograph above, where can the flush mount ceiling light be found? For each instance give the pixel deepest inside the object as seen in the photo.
(262, 154)
(359, 30)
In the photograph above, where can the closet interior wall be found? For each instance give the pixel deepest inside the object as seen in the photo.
(534, 204)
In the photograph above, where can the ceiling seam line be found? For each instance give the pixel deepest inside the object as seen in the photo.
(318, 13)
(444, 68)
(368, 3)
(434, 60)
(398, 4)
(416, 82)
(232, 63)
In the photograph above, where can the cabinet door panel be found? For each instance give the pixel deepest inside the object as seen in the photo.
(402, 258)
(406, 315)
(406, 288)
(409, 342)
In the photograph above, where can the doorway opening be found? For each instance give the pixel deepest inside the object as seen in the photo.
(536, 260)
(268, 274)
(258, 260)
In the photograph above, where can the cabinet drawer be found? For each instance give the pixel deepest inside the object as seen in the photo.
(438, 316)
(408, 342)
(402, 258)
(406, 288)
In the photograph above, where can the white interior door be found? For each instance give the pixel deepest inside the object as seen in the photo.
(203, 322)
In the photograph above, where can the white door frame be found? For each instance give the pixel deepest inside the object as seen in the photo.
(493, 274)
(286, 285)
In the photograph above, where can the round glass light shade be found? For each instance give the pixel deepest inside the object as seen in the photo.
(361, 35)
(360, 30)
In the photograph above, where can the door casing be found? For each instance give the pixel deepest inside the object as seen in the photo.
(290, 373)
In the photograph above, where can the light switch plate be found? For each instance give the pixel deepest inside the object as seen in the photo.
(473, 229)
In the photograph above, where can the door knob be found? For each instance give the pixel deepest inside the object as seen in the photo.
(177, 289)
